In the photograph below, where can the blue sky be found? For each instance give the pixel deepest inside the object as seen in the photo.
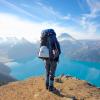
(26, 18)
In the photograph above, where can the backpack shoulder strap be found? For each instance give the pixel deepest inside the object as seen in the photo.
(57, 46)
(49, 45)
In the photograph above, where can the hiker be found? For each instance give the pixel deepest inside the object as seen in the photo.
(49, 52)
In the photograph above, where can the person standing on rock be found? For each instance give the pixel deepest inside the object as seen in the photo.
(49, 52)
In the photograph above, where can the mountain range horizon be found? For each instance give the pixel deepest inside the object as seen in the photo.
(62, 35)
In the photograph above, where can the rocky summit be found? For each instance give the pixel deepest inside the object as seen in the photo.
(66, 88)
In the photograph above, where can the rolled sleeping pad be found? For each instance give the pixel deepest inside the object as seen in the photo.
(43, 52)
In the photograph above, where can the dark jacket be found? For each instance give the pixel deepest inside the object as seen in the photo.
(54, 45)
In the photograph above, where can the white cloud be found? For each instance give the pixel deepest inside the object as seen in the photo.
(94, 6)
(17, 8)
(13, 26)
(88, 25)
(49, 10)
(68, 17)
(88, 20)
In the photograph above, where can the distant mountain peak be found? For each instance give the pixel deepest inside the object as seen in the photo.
(65, 36)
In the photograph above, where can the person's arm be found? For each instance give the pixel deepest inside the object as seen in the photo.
(58, 47)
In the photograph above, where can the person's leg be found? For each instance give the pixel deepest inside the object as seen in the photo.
(47, 67)
(53, 65)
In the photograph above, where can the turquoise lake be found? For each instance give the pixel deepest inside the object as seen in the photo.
(89, 71)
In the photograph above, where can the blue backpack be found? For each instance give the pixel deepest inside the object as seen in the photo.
(48, 39)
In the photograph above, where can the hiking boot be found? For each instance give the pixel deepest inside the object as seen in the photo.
(51, 88)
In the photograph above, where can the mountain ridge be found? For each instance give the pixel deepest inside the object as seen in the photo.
(67, 88)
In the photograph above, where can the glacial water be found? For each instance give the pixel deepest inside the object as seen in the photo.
(88, 71)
